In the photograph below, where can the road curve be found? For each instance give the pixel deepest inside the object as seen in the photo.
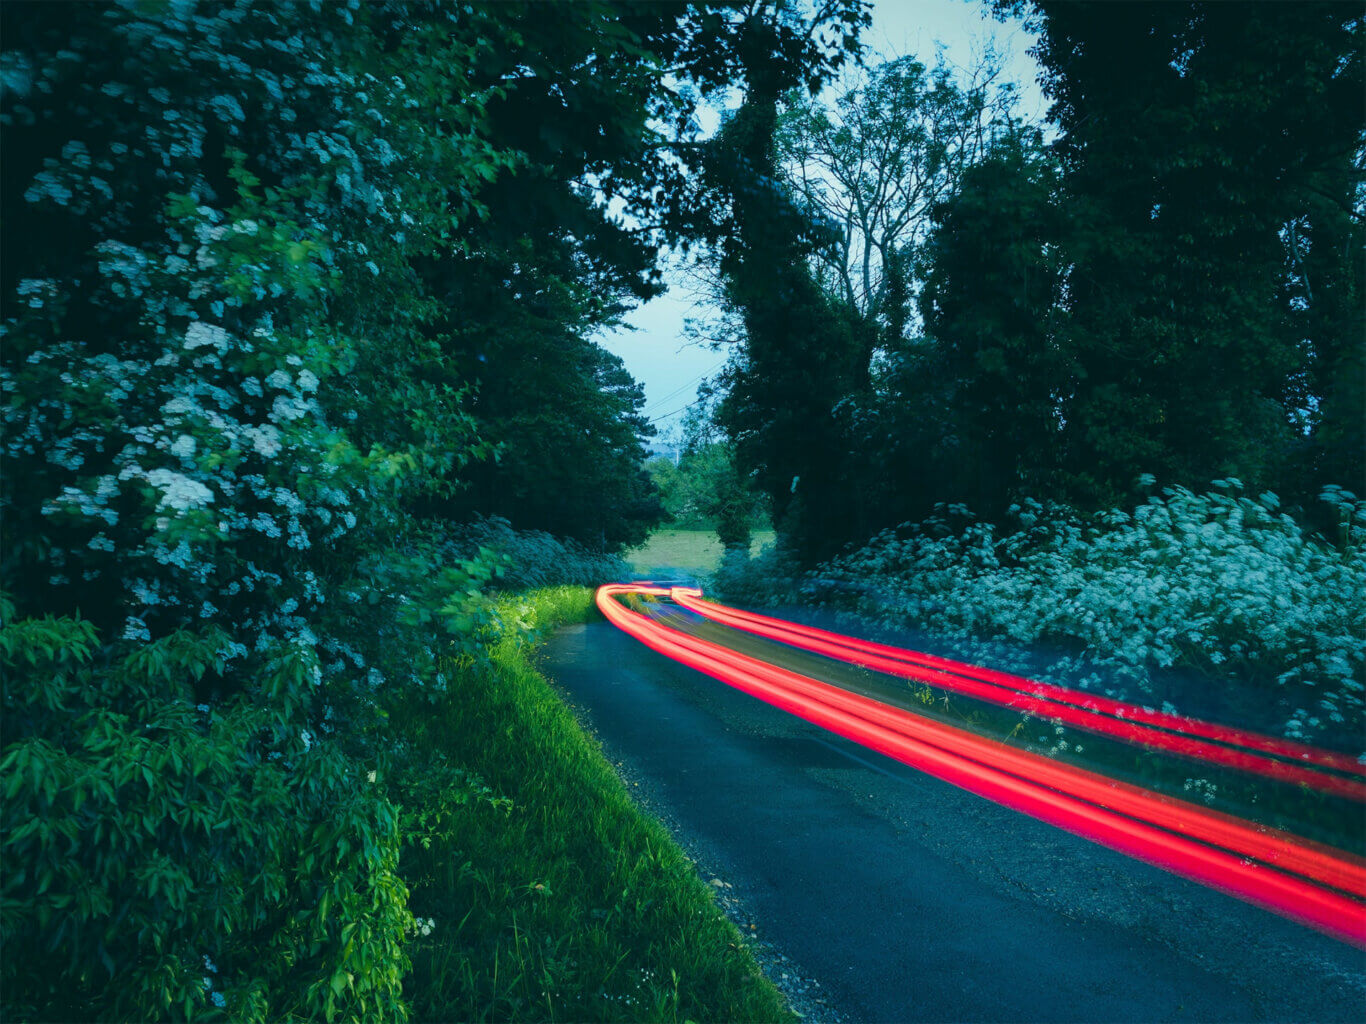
(1314, 883)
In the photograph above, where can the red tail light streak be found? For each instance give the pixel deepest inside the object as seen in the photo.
(1316, 884)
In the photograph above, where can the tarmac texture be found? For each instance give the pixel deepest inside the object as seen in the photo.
(876, 893)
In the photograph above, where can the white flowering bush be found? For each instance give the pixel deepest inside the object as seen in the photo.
(209, 426)
(252, 272)
(1217, 582)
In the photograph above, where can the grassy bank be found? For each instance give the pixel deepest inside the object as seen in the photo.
(542, 892)
(696, 551)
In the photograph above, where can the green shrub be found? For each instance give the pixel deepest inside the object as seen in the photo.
(1216, 582)
(170, 858)
(534, 559)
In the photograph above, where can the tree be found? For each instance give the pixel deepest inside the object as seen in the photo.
(823, 405)
(798, 352)
(705, 490)
(1202, 146)
(585, 101)
(991, 307)
(872, 166)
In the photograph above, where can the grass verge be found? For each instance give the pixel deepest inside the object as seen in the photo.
(542, 891)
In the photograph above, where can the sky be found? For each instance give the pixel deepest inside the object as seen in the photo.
(653, 344)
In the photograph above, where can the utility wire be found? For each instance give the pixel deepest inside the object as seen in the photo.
(679, 390)
(681, 408)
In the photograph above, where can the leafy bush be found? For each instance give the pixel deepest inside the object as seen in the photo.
(1216, 582)
(210, 856)
(772, 577)
(205, 467)
(533, 559)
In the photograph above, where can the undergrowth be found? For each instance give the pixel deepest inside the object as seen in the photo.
(534, 558)
(1217, 583)
(540, 890)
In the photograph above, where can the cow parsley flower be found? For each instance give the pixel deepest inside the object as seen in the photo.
(265, 440)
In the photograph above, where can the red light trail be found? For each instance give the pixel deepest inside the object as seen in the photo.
(1311, 882)
(1097, 714)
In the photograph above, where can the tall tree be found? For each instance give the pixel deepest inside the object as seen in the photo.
(872, 165)
(991, 309)
(824, 281)
(593, 102)
(799, 355)
(1203, 146)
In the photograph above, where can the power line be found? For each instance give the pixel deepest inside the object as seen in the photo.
(679, 390)
(681, 408)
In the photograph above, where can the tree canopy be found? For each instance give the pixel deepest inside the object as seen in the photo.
(933, 306)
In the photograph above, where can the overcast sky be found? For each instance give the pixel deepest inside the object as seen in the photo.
(656, 352)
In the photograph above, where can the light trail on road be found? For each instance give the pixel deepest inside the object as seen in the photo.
(1233, 748)
(1316, 884)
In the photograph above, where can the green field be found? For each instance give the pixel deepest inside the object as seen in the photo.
(692, 550)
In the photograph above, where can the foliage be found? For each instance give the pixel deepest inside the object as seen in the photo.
(828, 253)
(569, 460)
(991, 306)
(1212, 173)
(772, 577)
(800, 351)
(233, 368)
(547, 267)
(585, 97)
(262, 879)
(1224, 584)
(696, 553)
(704, 489)
(872, 165)
(541, 891)
(531, 558)
(1173, 286)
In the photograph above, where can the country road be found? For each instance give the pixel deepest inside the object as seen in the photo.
(896, 897)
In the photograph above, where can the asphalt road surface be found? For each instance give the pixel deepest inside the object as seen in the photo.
(897, 897)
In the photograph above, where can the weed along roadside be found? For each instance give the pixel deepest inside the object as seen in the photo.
(541, 891)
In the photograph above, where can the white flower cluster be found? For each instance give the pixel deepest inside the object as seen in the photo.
(200, 334)
(423, 926)
(178, 491)
(1213, 581)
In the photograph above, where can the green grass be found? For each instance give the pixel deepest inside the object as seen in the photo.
(693, 550)
(553, 896)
